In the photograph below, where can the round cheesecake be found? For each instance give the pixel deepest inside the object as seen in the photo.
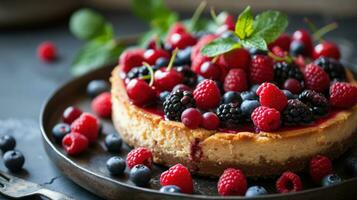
(209, 153)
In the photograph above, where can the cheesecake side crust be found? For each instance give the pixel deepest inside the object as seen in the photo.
(209, 152)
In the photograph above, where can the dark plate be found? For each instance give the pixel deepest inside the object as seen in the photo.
(89, 171)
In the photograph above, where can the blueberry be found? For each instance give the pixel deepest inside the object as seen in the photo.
(232, 97)
(351, 165)
(331, 179)
(183, 57)
(255, 51)
(116, 165)
(254, 191)
(254, 88)
(248, 107)
(140, 175)
(170, 189)
(14, 160)
(248, 95)
(96, 87)
(60, 130)
(289, 95)
(113, 143)
(7, 142)
(297, 48)
(161, 62)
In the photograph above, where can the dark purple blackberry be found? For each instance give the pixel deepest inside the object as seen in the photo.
(296, 113)
(230, 115)
(333, 68)
(316, 101)
(284, 70)
(176, 103)
(138, 72)
(189, 77)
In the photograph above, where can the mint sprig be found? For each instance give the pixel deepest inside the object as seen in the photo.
(250, 32)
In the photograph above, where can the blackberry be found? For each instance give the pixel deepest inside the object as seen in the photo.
(189, 77)
(176, 103)
(296, 113)
(138, 72)
(230, 115)
(284, 70)
(316, 101)
(333, 68)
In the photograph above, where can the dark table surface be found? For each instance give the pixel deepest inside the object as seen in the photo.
(26, 82)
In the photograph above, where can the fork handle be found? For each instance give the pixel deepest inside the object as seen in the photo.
(52, 195)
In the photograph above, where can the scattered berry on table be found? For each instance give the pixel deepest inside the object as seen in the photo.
(46, 51)
(271, 96)
(116, 165)
(232, 97)
(297, 48)
(210, 121)
(178, 175)
(181, 87)
(283, 41)
(74, 143)
(230, 115)
(113, 143)
(266, 119)
(232, 182)
(60, 130)
(316, 101)
(97, 87)
(7, 142)
(304, 37)
(326, 49)
(176, 103)
(189, 77)
(283, 71)
(248, 95)
(207, 94)
(131, 58)
(13, 160)
(170, 189)
(191, 118)
(87, 125)
(293, 85)
(140, 155)
(320, 166)
(102, 105)
(288, 182)
(331, 179)
(236, 80)
(343, 95)
(254, 191)
(296, 113)
(210, 70)
(316, 78)
(151, 55)
(238, 58)
(140, 175)
(70, 114)
(335, 70)
(261, 69)
(248, 107)
(139, 92)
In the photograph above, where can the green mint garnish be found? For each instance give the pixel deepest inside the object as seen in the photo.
(220, 46)
(244, 25)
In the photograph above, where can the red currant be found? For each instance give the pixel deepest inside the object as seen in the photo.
(210, 121)
(292, 85)
(151, 55)
(326, 49)
(210, 70)
(283, 41)
(191, 118)
(165, 79)
(140, 92)
(46, 51)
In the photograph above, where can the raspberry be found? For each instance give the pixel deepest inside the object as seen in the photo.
(316, 78)
(296, 113)
(176, 103)
(266, 119)
(343, 95)
(87, 125)
(232, 182)
(230, 115)
(70, 114)
(283, 41)
(102, 105)
(288, 182)
(207, 94)
(179, 176)
(316, 101)
(46, 51)
(139, 155)
(74, 143)
(261, 69)
(320, 166)
(334, 69)
(262, 86)
(271, 96)
(238, 58)
(131, 58)
(236, 80)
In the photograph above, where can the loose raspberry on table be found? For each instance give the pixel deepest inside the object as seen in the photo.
(102, 105)
(179, 176)
(207, 94)
(87, 125)
(288, 182)
(261, 69)
(271, 96)
(316, 78)
(320, 166)
(131, 58)
(236, 80)
(140, 155)
(74, 143)
(343, 95)
(46, 51)
(266, 119)
(232, 182)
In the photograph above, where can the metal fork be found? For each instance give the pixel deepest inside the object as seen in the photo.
(14, 187)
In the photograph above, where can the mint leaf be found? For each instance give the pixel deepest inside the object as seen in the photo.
(254, 42)
(150, 9)
(244, 25)
(269, 25)
(219, 46)
(87, 24)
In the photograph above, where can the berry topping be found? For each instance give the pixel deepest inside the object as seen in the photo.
(284, 71)
(87, 125)
(297, 48)
(139, 155)
(254, 191)
(181, 87)
(139, 92)
(232, 182)
(236, 80)
(7, 142)
(296, 113)
(191, 118)
(183, 57)
(46, 51)
(248, 107)
(272, 97)
(266, 119)
(238, 58)
(232, 97)
(248, 95)
(304, 37)
(74, 143)
(58, 132)
(343, 95)
(198, 61)
(102, 105)
(116, 165)
(181, 40)
(320, 166)
(97, 87)
(210, 70)
(229, 114)
(326, 49)
(316, 101)
(210, 121)
(316, 78)
(166, 79)
(333, 68)
(70, 114)
(177, 28)
(178, 175)
(288, 182)
(283, 41)
(261, 69)
(331, 179)
(138, 72)
(292, 85)
(289, 95)
(131, 58)
(151, 55)
(170, 189)
(176, 103)
(189, 77)
(140, 175)
(207, 94)
(113, 143)
(13, 160)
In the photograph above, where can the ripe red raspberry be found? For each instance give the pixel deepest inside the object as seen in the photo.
(271, 96)
(102, 105)
(316, 78)
(70, 114)
(87, 125)
(131, 58)
(236, 80)
(179, 176)
(266, 119)
(262, 86)
(207, 94)
(343, 95)
(261, 69)
(46, 51)
(74, 143)
(320, 166)
(232, 182)
(288, 182)
(283, 41)
(139, 155)
(238, 58)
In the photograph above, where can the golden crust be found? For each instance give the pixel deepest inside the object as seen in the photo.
(209, 152)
